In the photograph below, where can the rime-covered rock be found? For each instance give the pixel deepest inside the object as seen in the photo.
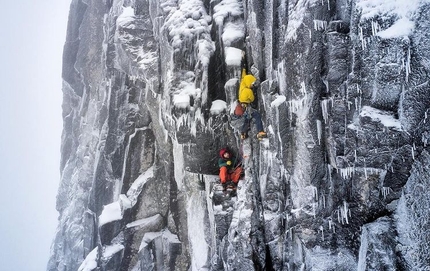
(339, 184)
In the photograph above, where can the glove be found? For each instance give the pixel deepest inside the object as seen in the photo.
(228, 163)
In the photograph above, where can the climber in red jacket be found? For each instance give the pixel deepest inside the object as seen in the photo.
(230, 168)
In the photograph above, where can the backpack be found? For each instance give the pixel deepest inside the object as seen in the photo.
(239, 110)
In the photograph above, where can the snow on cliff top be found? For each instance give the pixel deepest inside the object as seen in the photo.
(225, 9)
(403, 12)
(218, 106)
(126, 17)
(373, 8)
(384, 117)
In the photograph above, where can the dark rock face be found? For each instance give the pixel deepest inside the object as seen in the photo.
(340, 183)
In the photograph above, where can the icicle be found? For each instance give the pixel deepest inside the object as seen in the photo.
(386, 191)
(375, 28)
(361, 37)
(413, 153)
(328, 4)
(319, 131)
(346, 172)
(327, 89)
(324, 108)
(322, 232)
(359, 102)
(343, 213)
(323, 200)
(346, 212)
(320, 25)
(295, 105)
(365, 172)
(408, 64)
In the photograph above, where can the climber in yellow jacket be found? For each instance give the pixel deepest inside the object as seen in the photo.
(246, 97)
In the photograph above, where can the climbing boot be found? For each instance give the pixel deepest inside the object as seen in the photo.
(261, 135)
(243, 136)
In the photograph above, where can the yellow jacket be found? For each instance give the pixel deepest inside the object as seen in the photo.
(246, 95)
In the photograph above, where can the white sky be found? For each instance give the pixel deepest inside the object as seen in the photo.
(32, 36)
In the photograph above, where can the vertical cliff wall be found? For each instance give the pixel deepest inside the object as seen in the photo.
(339, 184)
